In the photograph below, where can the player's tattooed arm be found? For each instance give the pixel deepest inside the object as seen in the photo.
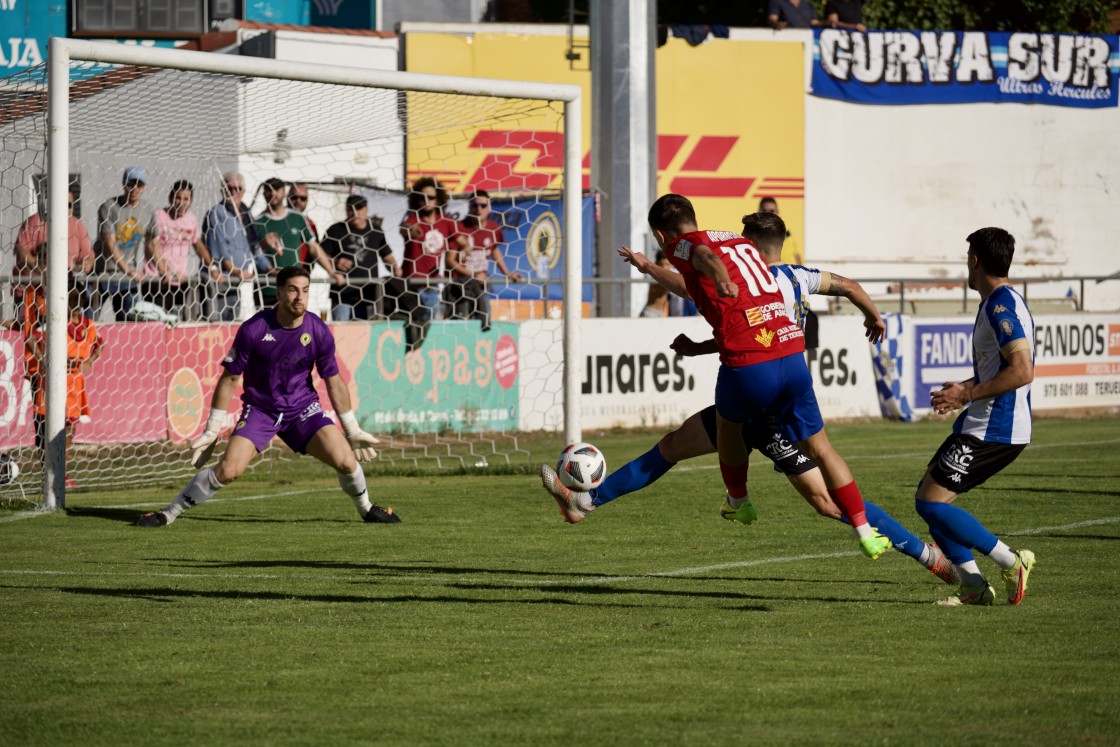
(876, 328)
(707, 263)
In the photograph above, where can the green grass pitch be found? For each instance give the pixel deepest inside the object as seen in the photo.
(273, 616)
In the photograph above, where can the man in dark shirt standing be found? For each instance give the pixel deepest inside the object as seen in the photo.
(792, 14)
(845, 14)
(355, 245)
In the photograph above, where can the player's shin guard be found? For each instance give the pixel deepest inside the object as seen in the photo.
(734, 478)
(354, 485)
(957, 526)
(850, 501)
(634, 475)
(200, 489)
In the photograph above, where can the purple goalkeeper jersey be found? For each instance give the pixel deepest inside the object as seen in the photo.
(276, 362)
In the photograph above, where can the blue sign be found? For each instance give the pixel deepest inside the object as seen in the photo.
(533, 232)
(25, 27)
(965, 67)
(942, 352)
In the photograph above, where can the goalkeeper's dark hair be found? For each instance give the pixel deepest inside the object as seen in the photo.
(767, 231)
(295, 271)
(995, 248)
(670, 214)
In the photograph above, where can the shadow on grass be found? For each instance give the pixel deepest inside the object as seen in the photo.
(125, 515)
(420, 567)
(1050, 535)
(730, 595)
(169, 595)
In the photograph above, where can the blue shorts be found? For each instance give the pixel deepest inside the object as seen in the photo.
(781, 388)
(295, 430)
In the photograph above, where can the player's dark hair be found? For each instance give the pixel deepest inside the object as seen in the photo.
(765, 200)
(994, 248)
(178, 187)
(416, 199)
(767, 231)
(295, 271)
(670, 213)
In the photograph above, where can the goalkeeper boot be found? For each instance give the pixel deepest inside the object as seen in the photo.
(154, 519)
(744, 514)
(874, 545)
(1015, 577)
(378, 515)
(941, 566)
(574, 505)
(981, 595)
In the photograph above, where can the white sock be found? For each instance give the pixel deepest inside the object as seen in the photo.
(924, 557)
(354, 485)
(970, 575)
(200, 489)
(864, 530)
(1003, 555)
(736, 502)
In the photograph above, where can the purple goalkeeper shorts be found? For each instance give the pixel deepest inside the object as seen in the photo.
(259, 426)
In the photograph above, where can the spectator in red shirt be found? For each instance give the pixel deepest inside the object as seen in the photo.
(477, 242)
(427, 235)
(31, 248)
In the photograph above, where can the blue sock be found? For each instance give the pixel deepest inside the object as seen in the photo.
(957, 526)
(905, 541)
(634, 475)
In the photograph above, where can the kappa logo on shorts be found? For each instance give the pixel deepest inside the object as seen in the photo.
(305, 339)
(268, 337)
(802, 459)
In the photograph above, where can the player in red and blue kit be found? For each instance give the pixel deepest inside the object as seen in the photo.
(272, 356)
(762, 366)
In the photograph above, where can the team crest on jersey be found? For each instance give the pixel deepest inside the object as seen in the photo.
(754, 316)
(683, 249)
(305, 339)
(1005, 325)
(765, 338)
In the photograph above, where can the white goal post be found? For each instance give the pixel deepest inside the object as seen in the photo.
(65, 52)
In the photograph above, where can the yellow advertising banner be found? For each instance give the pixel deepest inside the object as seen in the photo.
(730, 122)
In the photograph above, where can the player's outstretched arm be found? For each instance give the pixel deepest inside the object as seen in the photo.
(361, 442)
(666, 278)
(854, 292)
(686, 346)
(203, 446)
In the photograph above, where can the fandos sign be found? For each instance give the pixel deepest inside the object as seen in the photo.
(959, 67)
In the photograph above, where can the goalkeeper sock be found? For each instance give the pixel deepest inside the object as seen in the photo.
(634, 475)
(200, 489)
(354, 485)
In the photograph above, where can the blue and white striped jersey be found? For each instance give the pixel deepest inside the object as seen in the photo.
(1003, 326)
(797, 283)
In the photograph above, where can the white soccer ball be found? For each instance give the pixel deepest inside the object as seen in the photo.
(9, 470)
(581, 467)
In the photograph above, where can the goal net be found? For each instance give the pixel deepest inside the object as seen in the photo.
(441, 218)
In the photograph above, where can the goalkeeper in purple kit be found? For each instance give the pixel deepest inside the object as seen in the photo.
(272, 357)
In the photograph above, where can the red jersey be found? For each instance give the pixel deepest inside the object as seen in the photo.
(753, 327)
(481, 241)
(425, 246)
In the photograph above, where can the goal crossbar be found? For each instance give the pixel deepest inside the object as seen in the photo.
(63, 51)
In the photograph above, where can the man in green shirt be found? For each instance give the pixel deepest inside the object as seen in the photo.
(283, 232)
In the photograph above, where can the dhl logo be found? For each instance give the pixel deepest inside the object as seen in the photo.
(516, 160)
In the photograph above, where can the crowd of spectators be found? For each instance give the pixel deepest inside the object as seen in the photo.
(165, 263)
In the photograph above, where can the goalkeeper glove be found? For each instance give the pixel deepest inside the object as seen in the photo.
(361, 442)
(203, 446)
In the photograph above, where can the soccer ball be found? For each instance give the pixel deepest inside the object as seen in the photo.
(9, 470)
(581, 467)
